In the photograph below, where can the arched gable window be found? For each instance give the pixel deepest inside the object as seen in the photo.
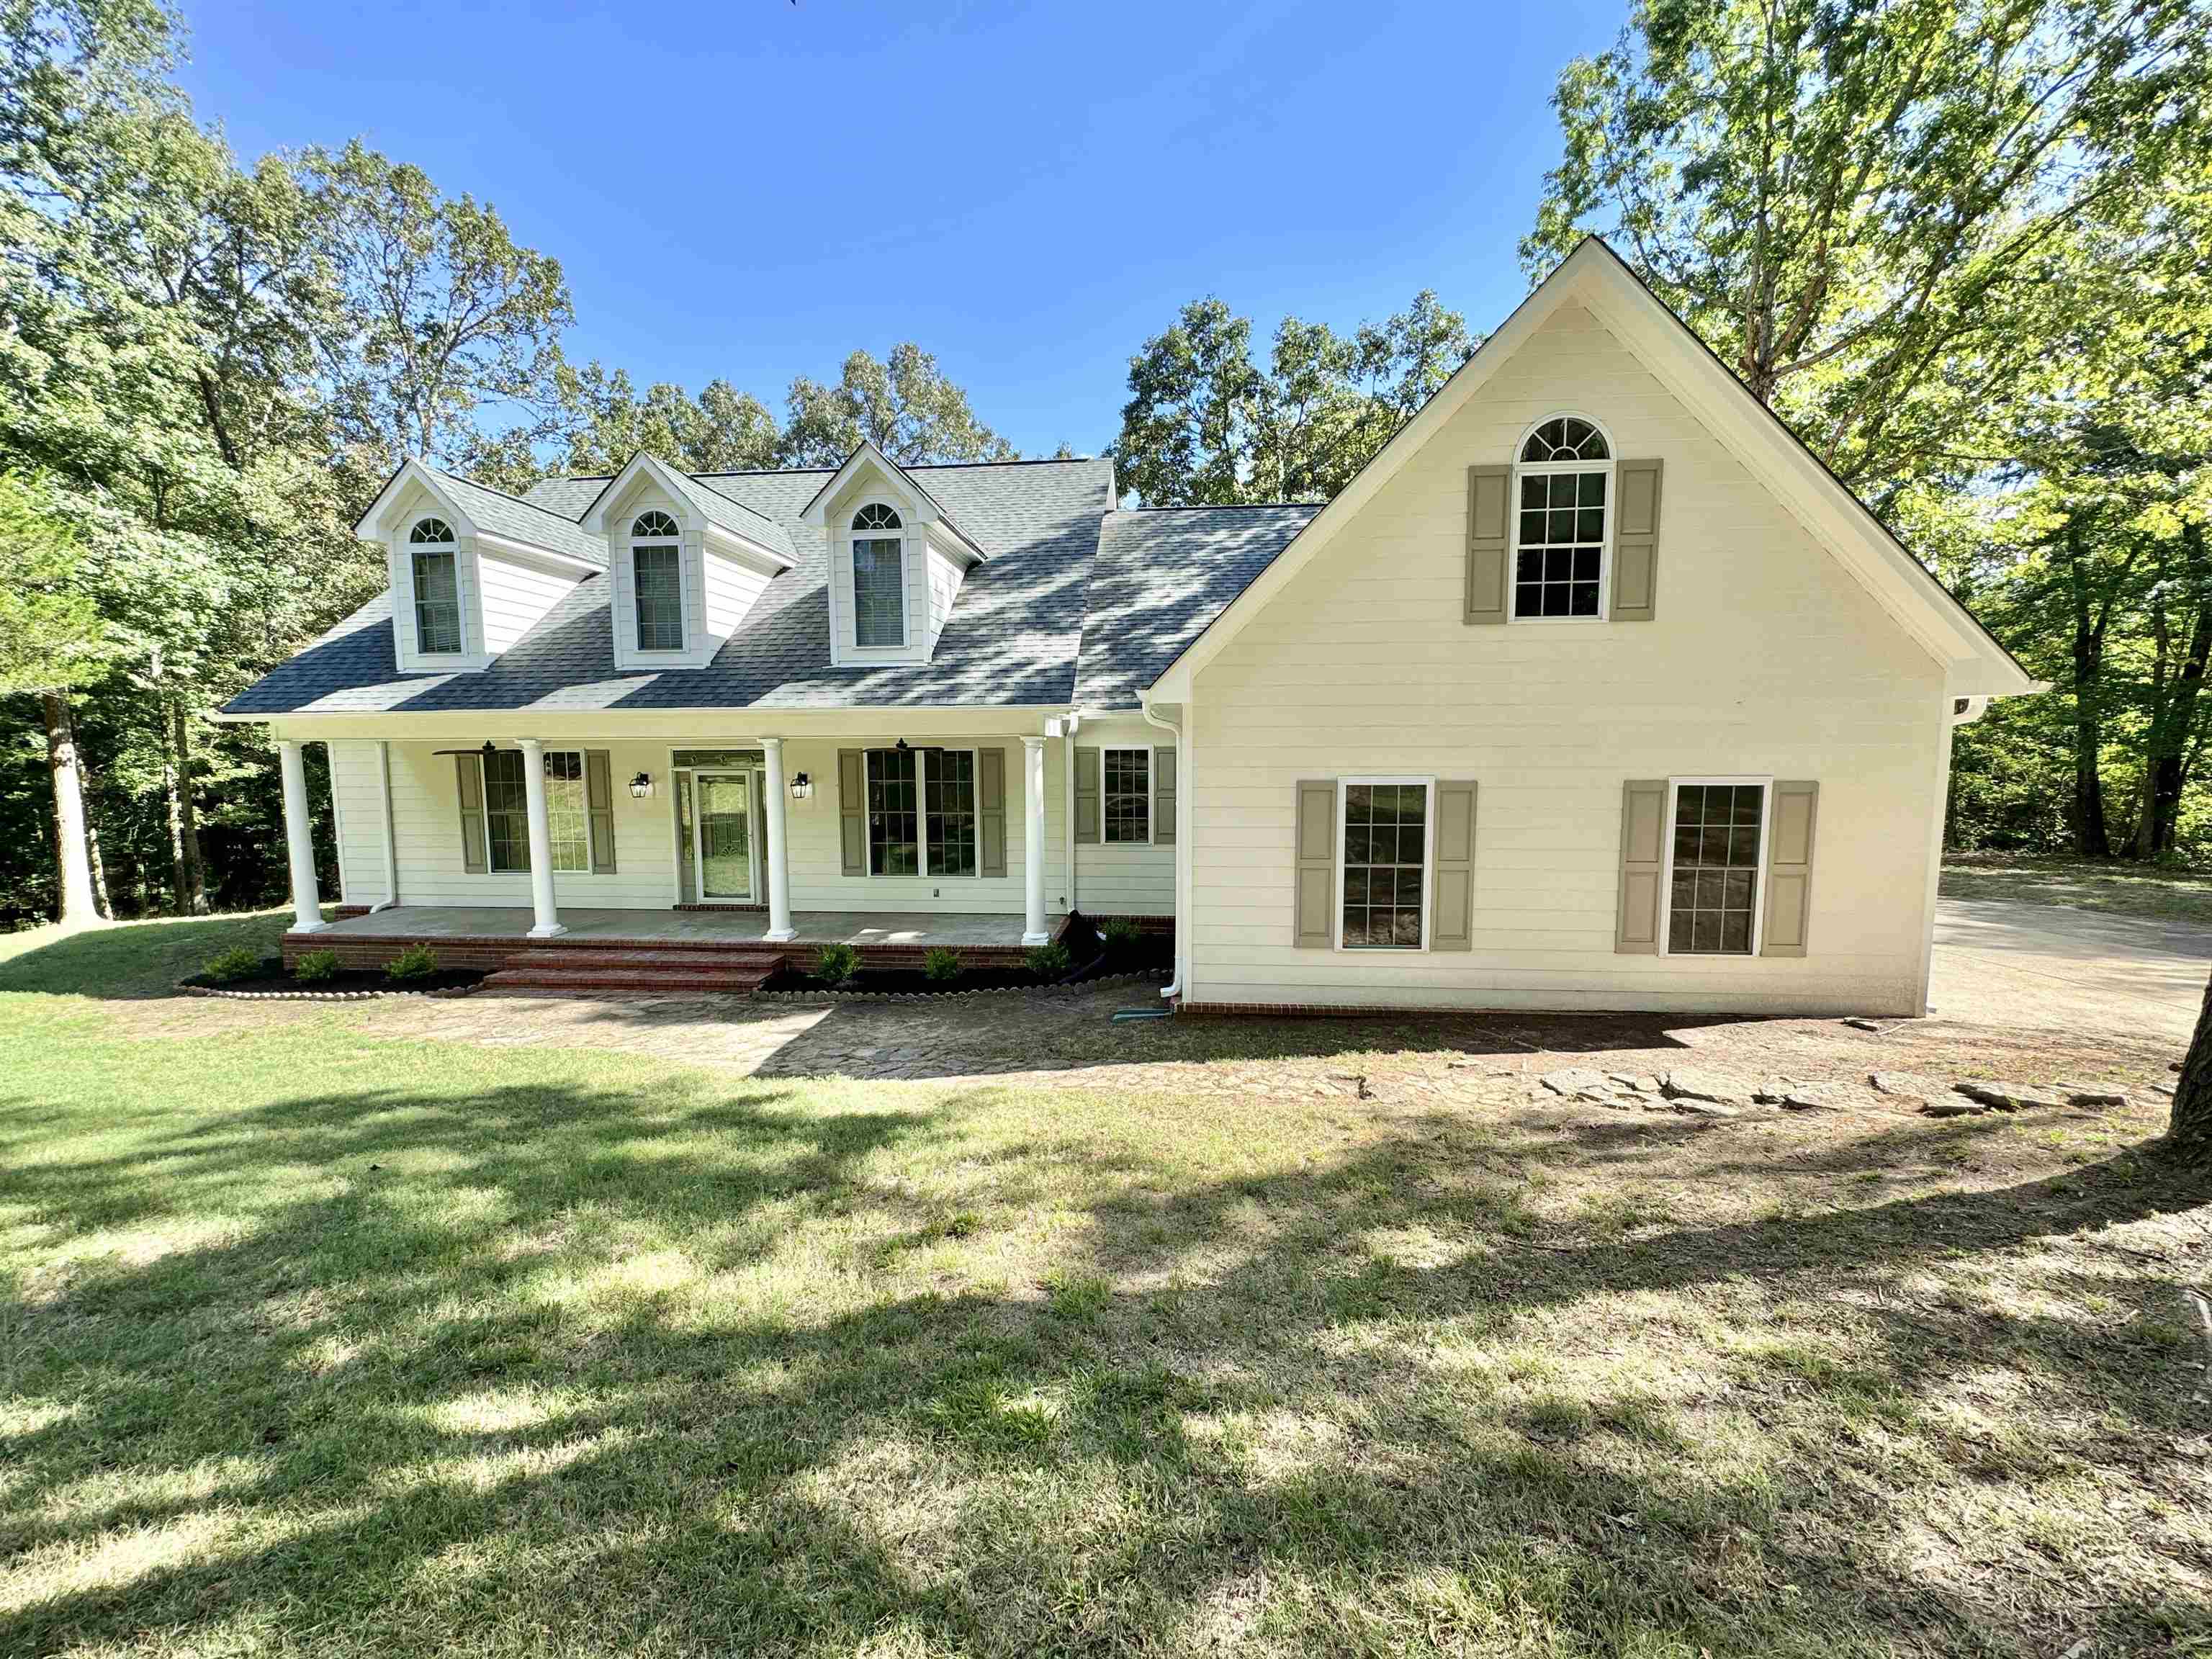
(432, 562)
(657, 580)
(879, 578)
(1565, 492)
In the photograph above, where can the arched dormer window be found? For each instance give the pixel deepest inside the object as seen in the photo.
(1561, 535)
(657, 580)
(433, 560)
(879, 578)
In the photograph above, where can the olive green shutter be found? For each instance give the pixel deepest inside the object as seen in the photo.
(1789, 868)
(1086, 795)
(468, 776)
(1163, 797)
(1315, 806)
(991, 812)
(599, 799)
(1453, 928)
(1489, 525)
(852, 813)
(1636, 542)
(1643, 854)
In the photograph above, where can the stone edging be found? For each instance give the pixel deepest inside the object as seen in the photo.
(821, 997)
(321, 996)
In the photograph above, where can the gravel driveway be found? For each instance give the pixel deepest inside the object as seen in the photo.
(2006, 963)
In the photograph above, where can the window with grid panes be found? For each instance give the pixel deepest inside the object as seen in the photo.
(1385, 860)
(1559, 565)
(1714, 895)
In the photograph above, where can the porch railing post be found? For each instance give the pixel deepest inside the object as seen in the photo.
(779, 867)
(546, 917)
(298, 839)
(1033, 931)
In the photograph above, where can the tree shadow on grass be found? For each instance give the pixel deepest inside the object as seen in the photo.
(459, 1406)
(132, 960)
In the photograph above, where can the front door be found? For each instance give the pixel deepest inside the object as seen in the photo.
(725, 839)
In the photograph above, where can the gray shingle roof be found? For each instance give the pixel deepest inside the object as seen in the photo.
(1161, 575)
(715, 507)
(523, 520)
(1013, 637)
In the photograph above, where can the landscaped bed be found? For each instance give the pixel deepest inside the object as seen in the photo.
(1082, 955)
(318, 975)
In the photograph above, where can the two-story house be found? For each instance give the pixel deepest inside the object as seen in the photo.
(1593, 689)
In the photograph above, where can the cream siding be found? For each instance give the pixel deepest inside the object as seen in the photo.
(358, 805)
(731, 589)
(515, 595)
(1121, 879)
(944, 574)
(1766, 658)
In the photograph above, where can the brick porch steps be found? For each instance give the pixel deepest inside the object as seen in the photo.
(675, 969)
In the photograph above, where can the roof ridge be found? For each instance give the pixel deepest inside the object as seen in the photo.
(1215, 507)
(506, 495)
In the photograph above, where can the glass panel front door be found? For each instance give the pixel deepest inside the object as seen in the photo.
(726, 836)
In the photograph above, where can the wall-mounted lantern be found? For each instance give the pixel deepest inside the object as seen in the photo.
(641, 786)
(802, 786)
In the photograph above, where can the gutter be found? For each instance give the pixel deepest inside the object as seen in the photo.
(1173, 988)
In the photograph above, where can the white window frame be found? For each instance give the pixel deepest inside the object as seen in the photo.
(852, 539)
(1151, 794)
(683, 603)
(1758, 879)
(450, 547)
(1549, 469)
(483, 794)
(922, 754)
(1428, 871)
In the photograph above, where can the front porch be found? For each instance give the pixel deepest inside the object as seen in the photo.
(656, 950)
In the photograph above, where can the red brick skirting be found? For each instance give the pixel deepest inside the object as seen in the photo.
(719, 905)
(347, 912)
(489, 951)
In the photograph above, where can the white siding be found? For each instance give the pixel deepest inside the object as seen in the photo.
(1122, 879)
(515, 595)
(358, 804)
(945, 575)
(1766, 658)
(731, 589)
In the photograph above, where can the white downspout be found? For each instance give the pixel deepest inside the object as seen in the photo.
(1173, 988)
(1068, 723)
(391, 839)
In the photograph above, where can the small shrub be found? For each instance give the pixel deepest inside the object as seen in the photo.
(1047, 961)
(315, 967)
(237, 962)
(416, 961)
(1121, 933)
(941, 962)
(836, 963)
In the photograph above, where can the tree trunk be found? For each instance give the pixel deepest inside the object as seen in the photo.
(2164, 766)
(184, 821)
(100, 900)
(2090, 839)
(2190, 1131)
(71, 858)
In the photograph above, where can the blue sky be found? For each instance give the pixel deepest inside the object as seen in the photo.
(754, 188)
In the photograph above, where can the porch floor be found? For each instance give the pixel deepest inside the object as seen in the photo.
(912, 927)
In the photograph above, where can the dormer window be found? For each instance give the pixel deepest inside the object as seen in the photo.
(657, 572)
(879, 578)
(437, 588)
(1564, 483)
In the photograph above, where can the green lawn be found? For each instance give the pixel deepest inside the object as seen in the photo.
(2118, 886)
(314, 1341)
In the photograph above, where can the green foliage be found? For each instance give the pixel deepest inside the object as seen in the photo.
(1120, 934)
(51, 633)
(834, 964)
(417, 961)
(906, 407)
(941, 962)
(314, 967)
(1205, 424)
(1048, 961)
(239, 962)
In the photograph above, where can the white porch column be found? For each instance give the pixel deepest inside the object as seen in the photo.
(778, 865)
(1033, 931)
(300, 840)
(546, 922)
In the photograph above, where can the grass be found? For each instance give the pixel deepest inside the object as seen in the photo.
(313, 1338)
(2117, 887)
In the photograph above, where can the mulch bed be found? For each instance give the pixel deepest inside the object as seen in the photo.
(271, 981)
